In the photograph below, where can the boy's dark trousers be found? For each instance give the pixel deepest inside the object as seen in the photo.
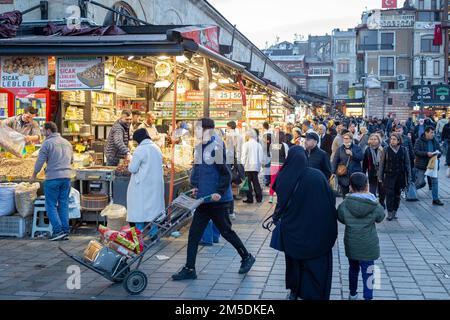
(219, 214)
(367, 275)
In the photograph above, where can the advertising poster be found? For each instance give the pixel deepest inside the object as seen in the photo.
(84, 73)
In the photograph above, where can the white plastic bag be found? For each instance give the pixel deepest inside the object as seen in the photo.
(7, 202)
(74, 204)
(25, 194)
(12, 141)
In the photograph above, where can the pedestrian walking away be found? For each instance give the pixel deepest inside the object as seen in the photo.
(279, 151)
(211, 176)
(307, 218)
(252, 157)
(359, 212)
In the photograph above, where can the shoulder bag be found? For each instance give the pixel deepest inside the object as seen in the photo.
(342, 169)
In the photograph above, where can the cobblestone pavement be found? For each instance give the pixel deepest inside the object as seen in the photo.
(414, 263)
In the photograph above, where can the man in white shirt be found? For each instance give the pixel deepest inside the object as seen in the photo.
(149, 125)
(252, 156)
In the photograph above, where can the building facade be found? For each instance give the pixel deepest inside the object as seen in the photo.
(319, 64)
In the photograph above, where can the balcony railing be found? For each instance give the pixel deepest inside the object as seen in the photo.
(375, 47)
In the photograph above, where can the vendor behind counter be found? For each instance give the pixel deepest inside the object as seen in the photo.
(25, 125)
(117, 144)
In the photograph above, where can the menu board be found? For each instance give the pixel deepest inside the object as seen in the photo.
(24, 75)
(80, 73)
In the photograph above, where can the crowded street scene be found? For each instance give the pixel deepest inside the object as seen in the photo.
(171, 150)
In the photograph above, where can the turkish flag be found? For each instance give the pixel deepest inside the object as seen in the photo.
(389, 4)
(437, 41)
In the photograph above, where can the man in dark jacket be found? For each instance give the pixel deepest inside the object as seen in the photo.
(118, 139)
(211, 177)
(425, 148)
(326, 140)
(446, 140)
(407, 143)
(317, 158)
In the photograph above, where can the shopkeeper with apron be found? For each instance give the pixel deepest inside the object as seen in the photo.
(25, 125)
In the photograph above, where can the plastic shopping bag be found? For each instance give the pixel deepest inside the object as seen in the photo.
(411, 193)
(244, 187)
(12, 141)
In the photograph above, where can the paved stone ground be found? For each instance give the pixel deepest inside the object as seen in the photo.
(414, 263)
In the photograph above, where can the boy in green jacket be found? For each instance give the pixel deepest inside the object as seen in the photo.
(359, 212)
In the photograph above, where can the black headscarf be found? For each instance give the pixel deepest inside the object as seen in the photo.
(309, 223)
(294, 165)
(140, 135)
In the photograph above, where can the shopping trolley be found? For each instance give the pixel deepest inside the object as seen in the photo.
(171, 219)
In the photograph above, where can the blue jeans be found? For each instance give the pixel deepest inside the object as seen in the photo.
(420, 183)
(366, 272)
(211, 234)
(57, 203)
(266, 171)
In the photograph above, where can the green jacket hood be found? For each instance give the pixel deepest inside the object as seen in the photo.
(360, 207)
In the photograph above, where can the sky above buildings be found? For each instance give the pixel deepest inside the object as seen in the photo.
(264, 20)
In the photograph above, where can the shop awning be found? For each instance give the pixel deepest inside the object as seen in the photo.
(124, 45)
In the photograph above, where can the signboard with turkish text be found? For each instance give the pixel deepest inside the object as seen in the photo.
(80, 73)
(197, 95)
(23, 75)
(436, 94)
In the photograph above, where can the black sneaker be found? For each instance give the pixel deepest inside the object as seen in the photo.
(57, 236)
(185, 274)
(438, 202)
(246, 264)
(247, 201)
(292, 295)
(66, 236)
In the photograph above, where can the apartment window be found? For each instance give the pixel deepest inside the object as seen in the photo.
(433, 5)
(387, 66)
(390, 101)
(426, 45)
(436, 68)
(325, 71)
(343, 46)
(343, 87)
(421, 4)
(423, 68)
(428, 16)
(343, 67)
(387, 41)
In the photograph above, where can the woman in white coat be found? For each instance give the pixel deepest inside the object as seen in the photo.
(145, 195)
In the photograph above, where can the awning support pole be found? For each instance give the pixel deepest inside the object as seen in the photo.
(206, 91)
(42, 6)
(172, 148)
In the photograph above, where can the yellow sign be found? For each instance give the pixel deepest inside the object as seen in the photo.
(80, 148)
(30, 148)
(130, 67)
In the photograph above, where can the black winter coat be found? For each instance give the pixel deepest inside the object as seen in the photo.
(368, 165)
(327, 142)
(318, 159)
(421, 152)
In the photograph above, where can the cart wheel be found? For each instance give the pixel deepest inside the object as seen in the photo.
(135, 282)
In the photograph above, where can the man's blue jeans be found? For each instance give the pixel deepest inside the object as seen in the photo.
(420, 183)
(211, 234)
(57, 203)
(366, 272)
(266, 171)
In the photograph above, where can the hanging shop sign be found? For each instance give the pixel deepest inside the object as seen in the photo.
(207, 36)
(23, 75)
(434, 94)
(132, 70)
(381, 20)
(83, 73)
(197, 95)
(126, 90)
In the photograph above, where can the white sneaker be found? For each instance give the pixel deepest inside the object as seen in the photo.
(355, 297)
(270, 199)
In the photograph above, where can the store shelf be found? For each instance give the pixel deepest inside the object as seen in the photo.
(102, 106)
(97, 123)
(76, 104)
(73, 120)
